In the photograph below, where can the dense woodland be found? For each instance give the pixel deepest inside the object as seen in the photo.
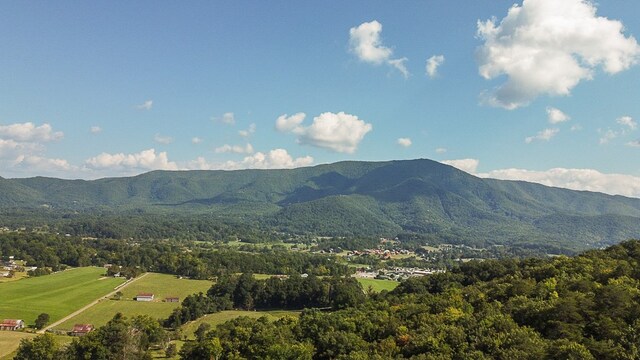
(583, 307)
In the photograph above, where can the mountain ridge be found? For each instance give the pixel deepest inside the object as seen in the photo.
(353, 198)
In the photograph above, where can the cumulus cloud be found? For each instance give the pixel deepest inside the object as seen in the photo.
(237, 149)
(95, 129)
(635, 143)
(42, 165)
(228, 118)
(441, 150)
(165, 140)
(365, 43)
(339, 132)
(274, 159)
(196, 140)
(628, 122)
(147, 105)
(556, 116)
(144, 160)
(575, 179)
(406, 142)
(466, 165)
(544, 135)
(433, 63)
(29, 132)
(607, 136)
(548, 47)
(248, 132)
(10, 149)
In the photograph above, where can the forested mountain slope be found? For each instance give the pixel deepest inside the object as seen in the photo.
(353, 198)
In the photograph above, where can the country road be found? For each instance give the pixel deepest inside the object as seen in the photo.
(117, 288)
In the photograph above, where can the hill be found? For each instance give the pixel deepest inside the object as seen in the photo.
(421, 197)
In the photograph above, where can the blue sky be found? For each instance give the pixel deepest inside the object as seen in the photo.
(547, 92)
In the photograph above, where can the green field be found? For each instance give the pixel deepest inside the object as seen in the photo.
(160, 285)
(378, 284)
(9, 341)
(57, 294)
(224, 316)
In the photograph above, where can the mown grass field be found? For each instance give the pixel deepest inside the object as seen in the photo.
(378, 284)
(57, 294)
(160, 285)
(9, 341)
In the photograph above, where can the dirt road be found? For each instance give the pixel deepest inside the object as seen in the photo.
(118, 288)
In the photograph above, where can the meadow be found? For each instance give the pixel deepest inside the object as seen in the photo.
(57, 294)
(160, 285)
(378, 285)
(224, 316)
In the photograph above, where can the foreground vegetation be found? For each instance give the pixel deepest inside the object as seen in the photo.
(584, 307)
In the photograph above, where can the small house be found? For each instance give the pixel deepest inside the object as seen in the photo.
(11, 324)
(81, 329)
(144, 297)
(172, 299)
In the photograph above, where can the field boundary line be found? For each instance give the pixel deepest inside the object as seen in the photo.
(94, 302)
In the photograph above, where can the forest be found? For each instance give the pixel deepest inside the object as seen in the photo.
(582, 307)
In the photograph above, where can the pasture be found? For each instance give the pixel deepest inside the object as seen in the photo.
(224, 316)
(378, 285)
(57, 294)
(160, 285)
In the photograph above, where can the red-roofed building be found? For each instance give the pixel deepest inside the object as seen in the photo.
(144, 297)
(81, 329)
(11, 324)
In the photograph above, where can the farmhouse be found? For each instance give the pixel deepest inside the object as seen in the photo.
(81, 329)
(172, 299)
(11, 324)
(144, 297)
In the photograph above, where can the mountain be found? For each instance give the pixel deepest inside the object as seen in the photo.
(354, 198)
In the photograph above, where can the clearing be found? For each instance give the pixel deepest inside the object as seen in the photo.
(378, 284)
(161, 285)
(57, 294)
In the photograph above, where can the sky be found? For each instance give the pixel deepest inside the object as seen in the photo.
(536, 90)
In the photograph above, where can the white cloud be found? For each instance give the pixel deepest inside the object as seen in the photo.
(338, 132)
(249, 131)
(575, 179)
(441, 150)
(42, 165)
(165, 140)
(556, 116)
(226, 118)
(607, 136)
(286, 123)
(237, 149)
(544, 135)
(628, 122)
(466, 165)
(576, 127)
(28, 132)
(406, 142)
(95, 129)
(432, 65)
(144, 160)
(548, 47)
(196, 140)
(635, 143)
(10, 149)
(274, 159)
(365, 43)
(147, 105)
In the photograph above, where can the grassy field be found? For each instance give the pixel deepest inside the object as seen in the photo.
(57, 294)
(160, 285)
(224, 316)
(378, 284)
(9, 341)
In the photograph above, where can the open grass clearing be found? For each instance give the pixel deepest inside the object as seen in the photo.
(9, 341)
(161, 285)
(57, 294)
(224, 316)
(378, 284)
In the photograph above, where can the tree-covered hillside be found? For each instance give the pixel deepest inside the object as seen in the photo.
(347, 198)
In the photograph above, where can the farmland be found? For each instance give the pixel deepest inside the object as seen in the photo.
(378, 285)
(58, 294)
(160, 285)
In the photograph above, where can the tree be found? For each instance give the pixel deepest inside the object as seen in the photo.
(42, 347)
(42, 320)
(171, 350)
